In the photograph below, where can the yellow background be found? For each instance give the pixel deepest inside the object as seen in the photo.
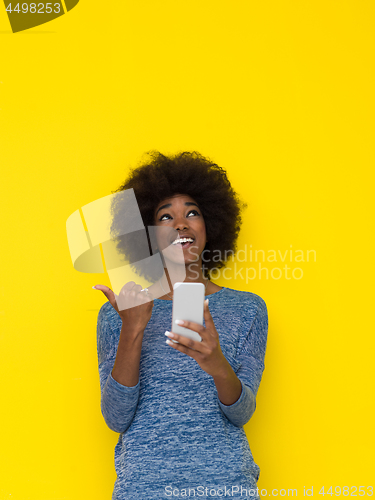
(281, 95)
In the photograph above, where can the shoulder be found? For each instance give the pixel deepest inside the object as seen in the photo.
(243, 299)
(254, 316)
(243, 310)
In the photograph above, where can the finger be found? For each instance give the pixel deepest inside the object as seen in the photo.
(210, 325)
(108, 293)
(182, 345)
(128, 286)
(136, 289)
(207, 314)
(196, 327)
(186, 341)
(145, 297)
(103, 288)
(133, 297)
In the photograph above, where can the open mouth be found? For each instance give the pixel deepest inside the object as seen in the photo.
(183, 242)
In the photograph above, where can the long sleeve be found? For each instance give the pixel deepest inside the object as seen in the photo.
(250, 367)
(118, 402)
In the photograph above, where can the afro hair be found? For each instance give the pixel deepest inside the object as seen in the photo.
(192, 174)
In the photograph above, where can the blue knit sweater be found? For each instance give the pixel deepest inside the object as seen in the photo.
(176, 437)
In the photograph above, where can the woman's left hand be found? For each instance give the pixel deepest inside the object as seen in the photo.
(206, 353)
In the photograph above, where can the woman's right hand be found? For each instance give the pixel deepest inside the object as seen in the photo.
(133, 306)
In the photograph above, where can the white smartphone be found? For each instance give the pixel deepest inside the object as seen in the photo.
(188, 304)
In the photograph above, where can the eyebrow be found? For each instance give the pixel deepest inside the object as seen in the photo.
(187, 204)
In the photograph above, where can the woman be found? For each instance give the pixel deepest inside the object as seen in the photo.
(180, 406)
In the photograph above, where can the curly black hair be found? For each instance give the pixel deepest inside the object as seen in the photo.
(192, 174)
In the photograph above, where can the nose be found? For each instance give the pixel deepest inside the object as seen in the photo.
(180, 224)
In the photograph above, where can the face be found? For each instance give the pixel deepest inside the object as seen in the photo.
(182, 213)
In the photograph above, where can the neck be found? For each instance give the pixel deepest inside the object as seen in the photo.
(194, 274)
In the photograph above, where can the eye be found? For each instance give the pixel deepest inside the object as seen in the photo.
(195, 212)
(190, 211)
(165, 215)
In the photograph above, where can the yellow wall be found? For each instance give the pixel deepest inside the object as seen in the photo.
(281, 94)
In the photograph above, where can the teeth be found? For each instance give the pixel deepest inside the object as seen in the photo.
(182, 240)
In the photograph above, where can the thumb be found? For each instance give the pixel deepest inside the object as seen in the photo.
(108, 293)
(207, 313)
